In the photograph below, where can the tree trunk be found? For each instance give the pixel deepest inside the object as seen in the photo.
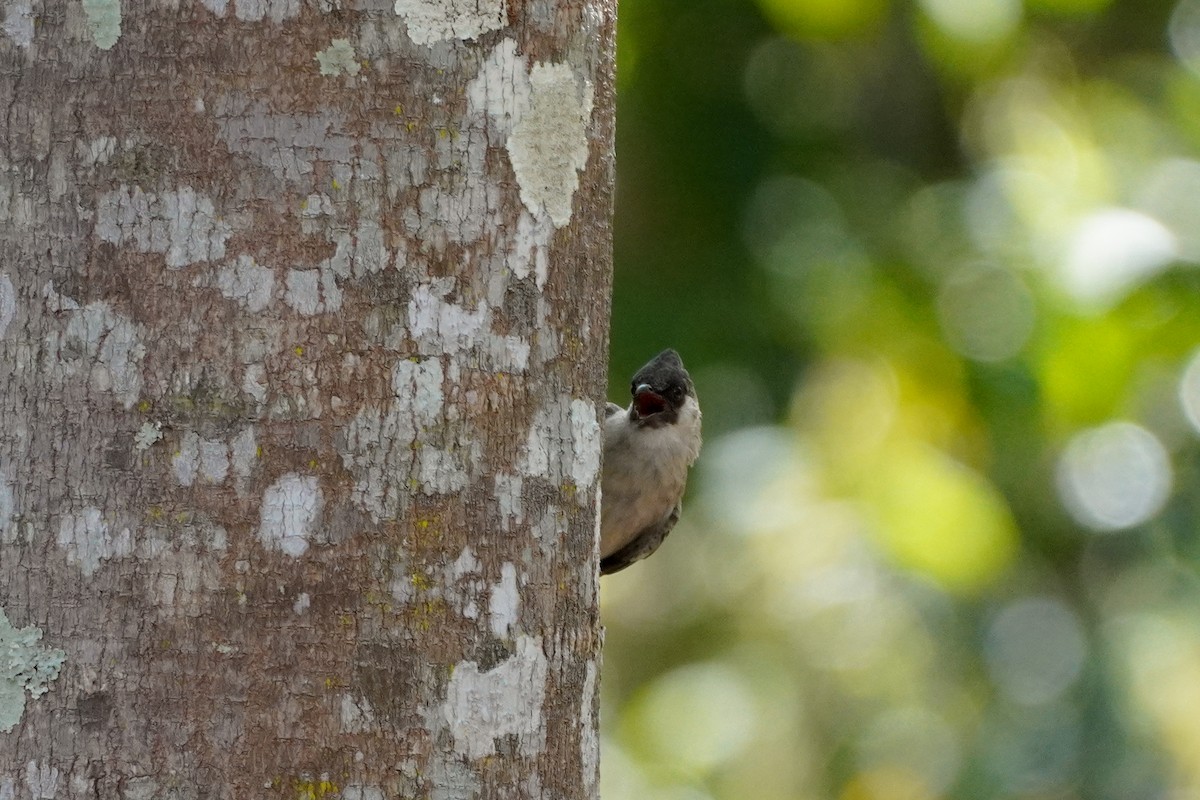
(303, 325)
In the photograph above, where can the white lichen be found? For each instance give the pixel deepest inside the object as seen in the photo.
(449, 778)
(531, 248)
(363, 792)
(291, 510)
(316, 206)
(548, 146)
(563, 444)
(206, 459)
(501, 88)
(504, 602)
(443, 327)
(183, 225)
(454, 202)
(25, 666)
(286, 144)
(245, 282)
(460, 585)
(254, 382)
(303, 291)
(417, 387)
(357, 714)
(370, 254)
(243, 453)
(481, 707)
(103, 346)
(466, 564)
(312, 291)
(8, 513)
(186, 460)
(274, 10)
(8, 302)
(448, 324)
(256, 10)
(589, 745)
(18, 22)
(103, 21)
(182, 567)
(586, 441)
(431, 21)
(147, 435)
(508, 499)
(87, 538)
(392, 452)
(96, 151)
(338, 59)
(41, 780)
(214, 460)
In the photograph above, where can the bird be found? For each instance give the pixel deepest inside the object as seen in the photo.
(648, 449)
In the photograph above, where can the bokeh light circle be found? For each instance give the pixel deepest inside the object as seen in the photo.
(979, 21)
(796, 88)
(986, 313)
(699, 716)
(1183, 31)
(915, 740)
(1034, 650)
(1112, 251)
(1114, 477)
(1189, 391)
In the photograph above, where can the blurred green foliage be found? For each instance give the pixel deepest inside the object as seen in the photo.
(932, 266)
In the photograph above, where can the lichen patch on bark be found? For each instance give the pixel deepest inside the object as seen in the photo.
(431, 21)
(25, 667)
(290, 513)
(484, 705)
(181, 224)
(548, 146)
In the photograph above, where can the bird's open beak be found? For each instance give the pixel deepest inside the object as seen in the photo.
(647, 402)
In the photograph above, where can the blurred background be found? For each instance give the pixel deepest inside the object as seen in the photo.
(933, 268)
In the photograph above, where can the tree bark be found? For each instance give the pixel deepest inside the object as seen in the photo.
(303, 335)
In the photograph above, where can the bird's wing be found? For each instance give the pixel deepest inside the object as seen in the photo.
(643, 544)
(613, 408)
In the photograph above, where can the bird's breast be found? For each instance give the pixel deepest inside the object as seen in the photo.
(645, 471)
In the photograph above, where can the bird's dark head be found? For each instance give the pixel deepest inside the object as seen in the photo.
(660, 390)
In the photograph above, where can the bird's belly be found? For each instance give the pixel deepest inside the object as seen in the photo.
(633, 502)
